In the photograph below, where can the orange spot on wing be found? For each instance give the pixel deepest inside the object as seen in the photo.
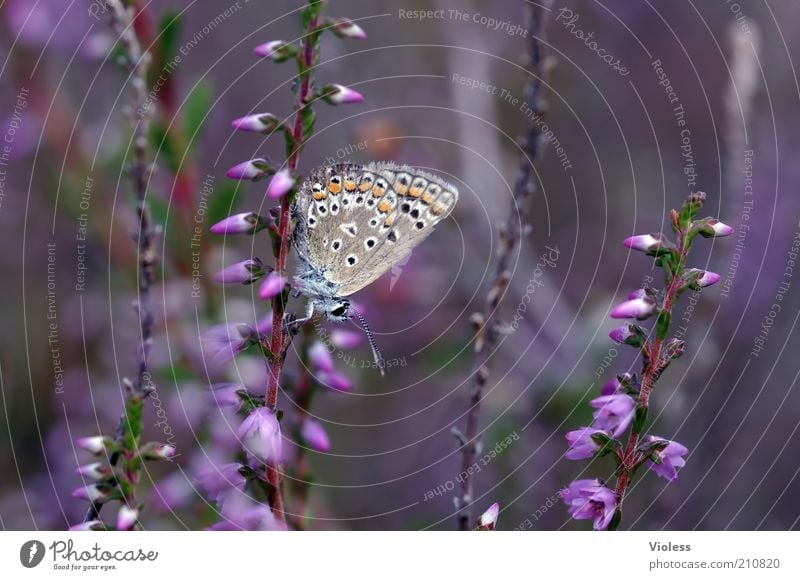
(334, 188)
(415, 191)
(349, 185)
(389, 221)
(378, 191)
(319, 195)
(384, 206)
(427, 198)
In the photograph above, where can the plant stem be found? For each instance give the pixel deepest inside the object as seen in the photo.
(130, 424)
(279, 339)
(486, 327)
(651, 371)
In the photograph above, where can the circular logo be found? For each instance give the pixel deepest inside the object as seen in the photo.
(31, 553)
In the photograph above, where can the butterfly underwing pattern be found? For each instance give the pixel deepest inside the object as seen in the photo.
(354, 222)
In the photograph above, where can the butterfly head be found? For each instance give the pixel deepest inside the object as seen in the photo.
(335, 309)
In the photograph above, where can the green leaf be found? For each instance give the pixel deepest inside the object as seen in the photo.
(198, 104)
(662, 326)
(222, 203)
(639, 419)
(169, 32)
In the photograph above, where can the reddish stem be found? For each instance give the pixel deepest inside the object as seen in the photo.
(278, 337)
(649, 376)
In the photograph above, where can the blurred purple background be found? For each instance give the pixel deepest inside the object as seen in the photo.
(69, 272)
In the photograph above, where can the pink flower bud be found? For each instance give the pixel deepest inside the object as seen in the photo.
(271, 286)
(345, 339)
(320, 357)
(644, 243)
(720, 229)
(335, 380)
(240, 223)
(245, 272)
(640, 307)
(706, 278)
(252, 170)
(94, 471)
(95, 445)
(258, 123)
(158, 451)
(127, 518)
(274, 49)
(341, 95)
(315, 437)
(488, 519)
(281, 184)
(89, 526)
(91, 493)
(260, 434)
(346, 28)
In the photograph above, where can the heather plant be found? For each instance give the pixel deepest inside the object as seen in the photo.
(238, 488)
(620, 428)
(114, 478)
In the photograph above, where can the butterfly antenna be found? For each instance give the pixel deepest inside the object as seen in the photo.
(376, 354)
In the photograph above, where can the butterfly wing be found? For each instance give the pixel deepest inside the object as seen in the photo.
(361, 220)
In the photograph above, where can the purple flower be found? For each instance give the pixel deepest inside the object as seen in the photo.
(242, 513)
(345, 339)
(335, 381)
(260, 434)
(614, 412)
(253, 170)
(271, 286)
(245, 272)
(320, 357)
(615, 384)
(281, 184)
(127, 517)
(95, 445)
(346, 28)
(95, 471)
(705, 277)
(90, 492)
(90, 526)
(277, 50)
(314, 435)
(590, 499)
(488, 519)
(644, 242)
(581, 444)
(259, 123)
(625, 334)
(718, 229)
(341, 95)
(671, 458)
(639, 306)
(240, 223)
(159, 451)
(219, 481)
(223, 342)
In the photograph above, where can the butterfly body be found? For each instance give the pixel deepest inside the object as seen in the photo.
(354, 222)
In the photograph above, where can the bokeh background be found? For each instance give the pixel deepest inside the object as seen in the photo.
(69, 335)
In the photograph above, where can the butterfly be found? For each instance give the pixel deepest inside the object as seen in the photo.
(353, 223)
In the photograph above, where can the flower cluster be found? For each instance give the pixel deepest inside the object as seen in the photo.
(623, 402)
(114, 477)
(260, 431)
